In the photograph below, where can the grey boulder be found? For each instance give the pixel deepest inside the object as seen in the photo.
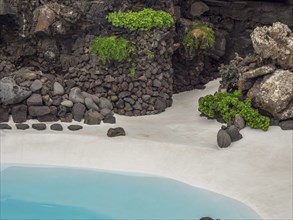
(58, 89)
(239, 122)
(36, 85)
(75, 95)
(90, 104)
(11, 93)
(234, 133)
(93, 117)
(105, 103)
(223, 139)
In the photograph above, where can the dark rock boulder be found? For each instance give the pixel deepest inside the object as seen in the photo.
(39, 126)
(34, 100)
(234, 133)
(4, 114)
(109, 119)
(206, 218)
(48, 118)
(93, 117)
(56, 127)
(37, 111)
(223, 139)
(160, 104)
(78, 111)
(22, 126)
(114, 132)
(19, 113)
(74, 127)
(5, 127)
(286, 125)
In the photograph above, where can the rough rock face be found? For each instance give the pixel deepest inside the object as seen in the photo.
(52, 46)
(274, 42)
(274, 93)
(11, 93)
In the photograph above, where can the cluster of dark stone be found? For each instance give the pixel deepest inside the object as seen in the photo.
(56, 43)
(230, 133)
(112, 132)
(48, 101)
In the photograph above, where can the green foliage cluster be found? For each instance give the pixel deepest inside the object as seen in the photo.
(145, 19)
(228, 105)
(230, 76)
(200, 36)
(111, 48)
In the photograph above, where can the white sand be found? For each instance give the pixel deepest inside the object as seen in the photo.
(178, 144)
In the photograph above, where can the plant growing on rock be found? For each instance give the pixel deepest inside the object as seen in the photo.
(145, 19)
(230, 75)
(228, 105)
(111, 48)
(200, 36)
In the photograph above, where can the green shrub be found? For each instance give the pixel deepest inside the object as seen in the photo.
(141, 20)
(111, 48)
(228, 105)
(230, 75)
(200, 36)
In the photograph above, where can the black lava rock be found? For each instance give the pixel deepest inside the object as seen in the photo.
(74, 127)
(22, 126)
(56, 127)
(223, 139)
(109, 119)
(234, 133)
(5, 127)
(39, 126)
(114, 132)
(286, 125)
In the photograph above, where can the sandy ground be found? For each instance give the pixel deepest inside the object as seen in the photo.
(178, 144)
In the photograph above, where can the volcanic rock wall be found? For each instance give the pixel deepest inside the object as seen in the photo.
(52, 39)
(233, 22)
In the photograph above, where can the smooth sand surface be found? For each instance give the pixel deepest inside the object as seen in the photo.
(178, 144)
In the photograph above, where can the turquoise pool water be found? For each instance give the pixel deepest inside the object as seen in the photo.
(64, 193)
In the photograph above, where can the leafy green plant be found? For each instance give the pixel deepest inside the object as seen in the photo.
(132, 71)
(111, 48)
(145, 19)
(200, 36)
(228, 105)
(230, 75)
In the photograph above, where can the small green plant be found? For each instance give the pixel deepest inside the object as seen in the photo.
(145, 19)
(111, 48)
(200, 36)
(132, 71)
(228, 105)
(230, 75)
